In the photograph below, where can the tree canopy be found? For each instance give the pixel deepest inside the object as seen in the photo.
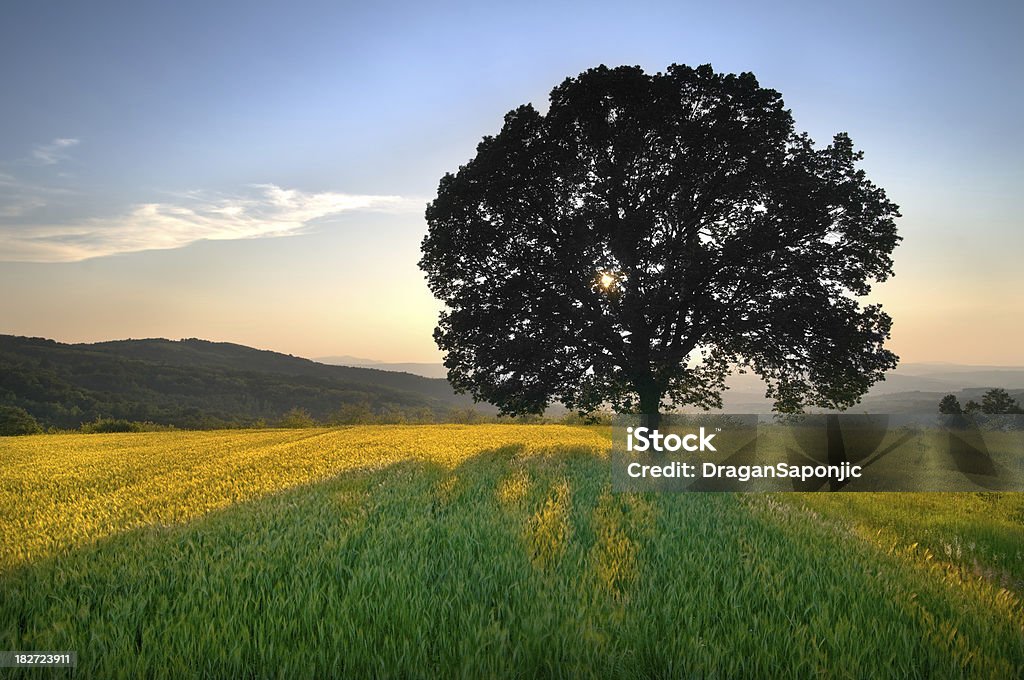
(999, 401)
(648, 234)
(950, 405)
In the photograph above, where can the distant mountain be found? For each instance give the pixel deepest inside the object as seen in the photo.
(910, 388)
(197, 383)
(347, 360)
(436, 370)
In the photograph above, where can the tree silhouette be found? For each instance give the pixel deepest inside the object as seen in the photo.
(999, 401)
(649, 233)
(950, 405)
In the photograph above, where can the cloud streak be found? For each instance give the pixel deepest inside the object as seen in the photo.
(54, 152)
(19, 198)
(270, 212)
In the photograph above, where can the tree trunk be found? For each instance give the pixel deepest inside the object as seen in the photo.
(650, 406)
(836, 448)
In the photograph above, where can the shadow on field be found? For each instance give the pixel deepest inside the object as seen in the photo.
(268, 581)
(513, 563)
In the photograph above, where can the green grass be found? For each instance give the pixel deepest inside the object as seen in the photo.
(979, 532)
(518, 561)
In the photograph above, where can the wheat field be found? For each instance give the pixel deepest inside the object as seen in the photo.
(480, 551)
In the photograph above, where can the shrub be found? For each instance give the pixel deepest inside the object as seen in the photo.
(102, 425)
(297, 417)
(464, 416)
(357, 413)
(592, 418)
(15, 420)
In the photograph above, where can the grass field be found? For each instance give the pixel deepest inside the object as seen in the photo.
(481, 551)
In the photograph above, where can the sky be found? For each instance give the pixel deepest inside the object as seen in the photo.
(257, 172)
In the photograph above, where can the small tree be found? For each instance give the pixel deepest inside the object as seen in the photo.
(999, 401)
(298, 418)
(950, 405)
(354, 413)
(421, 415)
(15, 420)
(464, 416)
(110, 426)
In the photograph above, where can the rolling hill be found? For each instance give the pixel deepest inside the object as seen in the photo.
(197, 383)
(201, 384)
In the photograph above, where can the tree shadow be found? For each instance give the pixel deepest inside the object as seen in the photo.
(417, 569)
(313, 575)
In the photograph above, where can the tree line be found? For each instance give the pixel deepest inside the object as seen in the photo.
(996, 401)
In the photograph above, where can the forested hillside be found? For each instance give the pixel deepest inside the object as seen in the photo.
(196, 383)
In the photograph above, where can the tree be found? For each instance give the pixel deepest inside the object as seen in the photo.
(950, 405)
(648, 234)
(297, 418)
(15, 420)
(357, 413)
(999, 401)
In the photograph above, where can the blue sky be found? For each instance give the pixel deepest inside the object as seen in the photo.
(257, 172)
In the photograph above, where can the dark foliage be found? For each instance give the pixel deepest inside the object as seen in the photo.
(107, 425)
(950, 405)
(647, 234)
(15, 420)
(196, 384)
(998, 401)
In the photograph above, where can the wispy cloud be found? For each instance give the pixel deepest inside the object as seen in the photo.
(269, 211)
(54, 152)
(19, 198)
(18, 206)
